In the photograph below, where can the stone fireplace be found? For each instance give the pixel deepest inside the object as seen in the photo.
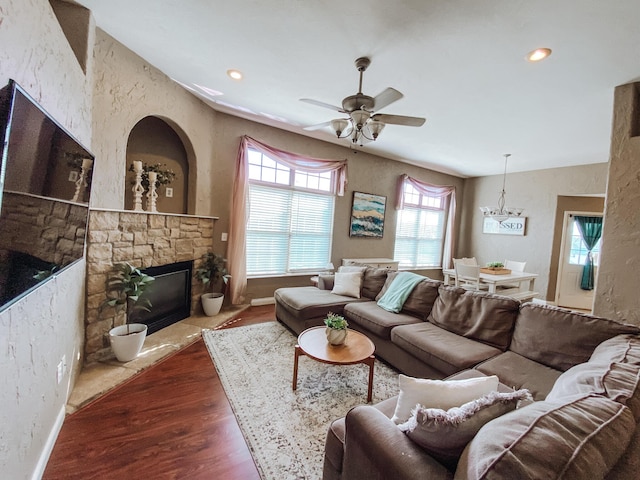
(145, 240)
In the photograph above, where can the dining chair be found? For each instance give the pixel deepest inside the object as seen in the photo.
(468, 277)
(514, 267)
(465, 261)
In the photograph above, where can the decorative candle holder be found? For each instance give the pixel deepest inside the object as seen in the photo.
(81, 182)
(138, 189)
(152, 195)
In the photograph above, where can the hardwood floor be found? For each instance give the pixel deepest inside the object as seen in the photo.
(173, 421)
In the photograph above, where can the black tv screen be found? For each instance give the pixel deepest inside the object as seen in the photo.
(45, 181)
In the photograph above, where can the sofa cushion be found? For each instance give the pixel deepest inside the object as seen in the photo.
(519, 372)
(420, 300)
(311, 302)
(618, 381)
(582, 438)
(559, 338)
(443, 350)
(334, 444)
(442, 394)
(621, 348)
(391, 275)
(480, 316)
(372, 281)
(370, 317)
(445, 434)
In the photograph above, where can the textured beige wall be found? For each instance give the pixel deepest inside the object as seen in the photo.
(38, 330)
(127, 89)
(537, 192)
(616, 293)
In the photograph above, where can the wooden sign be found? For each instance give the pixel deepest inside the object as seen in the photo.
(511, 226)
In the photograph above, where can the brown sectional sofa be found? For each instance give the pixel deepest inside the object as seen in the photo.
(583, 372)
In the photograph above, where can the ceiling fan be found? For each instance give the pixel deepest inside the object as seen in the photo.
(362, 124)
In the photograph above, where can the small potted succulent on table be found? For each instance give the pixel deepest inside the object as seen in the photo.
(336, 330)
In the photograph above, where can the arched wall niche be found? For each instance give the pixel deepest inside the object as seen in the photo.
(158, 140)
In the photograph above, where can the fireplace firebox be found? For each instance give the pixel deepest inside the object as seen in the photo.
(169, 294)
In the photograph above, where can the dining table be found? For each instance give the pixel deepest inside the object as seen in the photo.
(524, 280)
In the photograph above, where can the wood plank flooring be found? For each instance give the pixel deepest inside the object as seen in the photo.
(173, 421)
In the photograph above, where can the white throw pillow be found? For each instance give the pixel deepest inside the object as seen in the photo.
(347, 283)
(350, 268)
(443, 394)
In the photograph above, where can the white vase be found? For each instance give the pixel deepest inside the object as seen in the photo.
(212, 303)
(125, 345)
(336, 337)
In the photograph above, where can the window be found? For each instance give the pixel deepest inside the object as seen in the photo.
(578, 253)
(290, 223)
(420, 230)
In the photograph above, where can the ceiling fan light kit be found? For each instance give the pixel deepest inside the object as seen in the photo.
(362, 124)
(501, 212)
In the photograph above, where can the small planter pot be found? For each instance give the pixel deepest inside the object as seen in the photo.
(125, 345)
(336, 337)
(212, 303)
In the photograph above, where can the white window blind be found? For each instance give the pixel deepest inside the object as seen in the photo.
(288, 230)
(420, 231)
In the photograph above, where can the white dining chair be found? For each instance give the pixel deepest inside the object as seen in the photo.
(514, 267)
(468, 277)
(465, 261)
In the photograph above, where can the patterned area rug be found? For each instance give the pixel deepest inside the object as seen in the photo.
(286, 430)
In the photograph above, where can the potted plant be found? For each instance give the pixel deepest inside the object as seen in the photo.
(495, 265)
(336, 330)
(211, 271)
(124, 291)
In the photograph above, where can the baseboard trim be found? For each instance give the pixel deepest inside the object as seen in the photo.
(48, 446)
(256, 302)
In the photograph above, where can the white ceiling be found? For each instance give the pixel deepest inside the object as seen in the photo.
(459, 63)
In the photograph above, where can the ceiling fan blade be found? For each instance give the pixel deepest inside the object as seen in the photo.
(399, 120)
(386, 97)
(322, 104)
(318, 126)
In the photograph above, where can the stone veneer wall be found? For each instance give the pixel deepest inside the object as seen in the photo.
(49, 229)
(144, 240)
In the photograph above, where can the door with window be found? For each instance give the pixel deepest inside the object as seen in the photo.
(573, 255)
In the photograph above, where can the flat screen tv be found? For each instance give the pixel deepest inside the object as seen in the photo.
(45, 186)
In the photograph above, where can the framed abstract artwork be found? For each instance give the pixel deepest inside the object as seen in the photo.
(367, 215)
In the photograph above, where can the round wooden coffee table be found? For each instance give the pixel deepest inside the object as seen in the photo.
(357, 349)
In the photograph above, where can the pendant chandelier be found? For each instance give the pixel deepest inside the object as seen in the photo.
(502, 213)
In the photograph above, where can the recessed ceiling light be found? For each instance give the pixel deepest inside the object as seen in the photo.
(538, 54)
(235, 74)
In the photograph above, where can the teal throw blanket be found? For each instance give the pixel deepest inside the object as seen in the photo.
(399, 290)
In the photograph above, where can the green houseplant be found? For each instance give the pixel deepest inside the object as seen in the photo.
(336, 330)
(124, 291)
(211, 271)
(495, 265)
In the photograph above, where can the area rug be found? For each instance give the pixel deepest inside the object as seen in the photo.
(286, 430)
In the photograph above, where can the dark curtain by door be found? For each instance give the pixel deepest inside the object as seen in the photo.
(590, 229)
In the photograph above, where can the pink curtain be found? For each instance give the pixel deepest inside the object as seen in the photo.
(439, 191)
(239, 214)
